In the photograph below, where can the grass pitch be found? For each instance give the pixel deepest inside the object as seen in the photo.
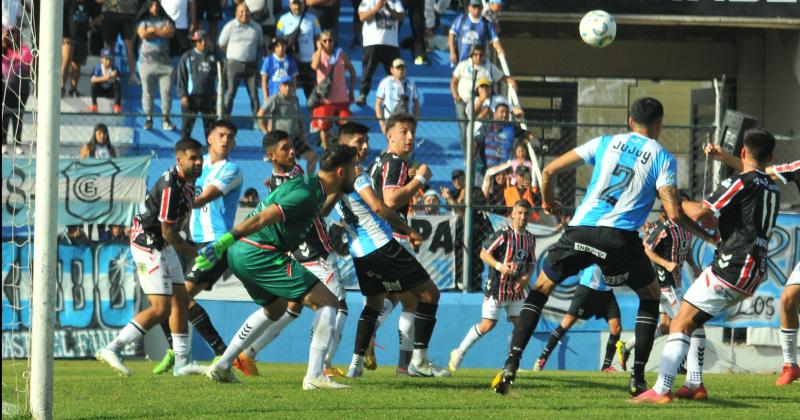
(89, 389)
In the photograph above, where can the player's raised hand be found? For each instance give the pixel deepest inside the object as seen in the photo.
(713, 151)
(425, 171)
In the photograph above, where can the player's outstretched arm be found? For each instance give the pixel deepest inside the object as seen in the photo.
(672, 206)
(563, 163)
(211, 253)
(715, 152)
(171, 236)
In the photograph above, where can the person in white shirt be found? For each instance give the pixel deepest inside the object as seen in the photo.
(184, 14)
(396, 94)
(381, 20)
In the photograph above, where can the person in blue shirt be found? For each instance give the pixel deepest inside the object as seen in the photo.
(275, 67)
(105, 82)
(471, 29)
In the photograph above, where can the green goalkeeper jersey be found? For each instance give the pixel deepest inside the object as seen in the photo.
(300, 201)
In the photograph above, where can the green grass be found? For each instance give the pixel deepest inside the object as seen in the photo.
(89, 389)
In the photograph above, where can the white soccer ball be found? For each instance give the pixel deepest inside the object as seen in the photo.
(598, 28)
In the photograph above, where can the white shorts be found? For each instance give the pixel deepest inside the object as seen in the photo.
(491, 308)
(157, 270)
(326, 271)
(671, 301)
(711, 295)
(794, 278)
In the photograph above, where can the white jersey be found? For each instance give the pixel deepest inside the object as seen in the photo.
(216, 217)
(628, 171)
(366, 231)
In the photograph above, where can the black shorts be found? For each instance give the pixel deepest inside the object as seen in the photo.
(619, 253)
(117, 24)
(390, 268)
(208, 277)
(80, 51)
(208, 9)
(588, 303)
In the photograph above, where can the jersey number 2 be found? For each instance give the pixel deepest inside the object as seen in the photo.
(627, 176)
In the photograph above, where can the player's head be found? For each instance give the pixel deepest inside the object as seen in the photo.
(189, 155)
(279, 150)
(758, 146)
(356, 135)
(400, 130)
(221, 139)
(339, 162)
(646, 117)
(520, 214)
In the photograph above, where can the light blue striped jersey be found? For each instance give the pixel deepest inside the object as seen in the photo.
(628, 171)
(592, 277)
(366, 231)
(216, 217)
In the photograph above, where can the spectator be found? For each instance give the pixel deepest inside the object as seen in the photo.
(75, 234)
(432, 203)
(416, 13)
(184, 15)
(283, 109)
(79, 16)
(494, 186)
(250, 198)
(521, 158)
(327, 13)
(396, 94)
(105, 82)
(356, 43)
(337, 103)
(469, 30)
(495, 139)
(197, 84)
(467, 72)
(241, 41)
(210, 11)
(99, 145)
(491, 11)
(263, 13)
(275, 66)
(16, 65)
(487, 100)
(301, 31)
(155, 65)
(119, 18)
(115, 233)
(381, 19)
(523, 191)
(12, 13)
(434, 9)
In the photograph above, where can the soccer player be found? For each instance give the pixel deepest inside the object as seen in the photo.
(217, 197)
(383, 265)
(258, 250)
(315, 253)
(746, 207)
(629, 170)
(592, 298)
(511, 255)
(790, 298)
(154, 243)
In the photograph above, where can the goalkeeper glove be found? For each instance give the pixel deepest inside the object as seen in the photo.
(210, 254)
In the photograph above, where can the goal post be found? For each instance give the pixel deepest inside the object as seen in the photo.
(48, 102)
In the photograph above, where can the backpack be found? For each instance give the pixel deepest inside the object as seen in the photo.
(323, 88)
(402, 103)
(293, 38)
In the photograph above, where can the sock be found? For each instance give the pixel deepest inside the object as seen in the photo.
(789, 345)
(199, 319)
(365, 329)
(632, 342)
(472, 337)
(270, 333)
(181, 348)
(357, 362)
(387, 309)
(130, 332)
(321, 336)
(167, 332)
(253, 327)
(528, 319)
(555, 337)
(611, 349)
(646, 324)
(694, 361)
(405, 328)
(341, 317)
(424, 322)
(676, 347)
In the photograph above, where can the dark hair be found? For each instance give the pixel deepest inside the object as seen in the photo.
(144, 12)
(760, 144)
(522, 170)
(476, 47)
(223, 123)
(520, 143)
(187, 143)
(401, 117)
(274, 137)
(93, 141)
(352, 128)
(647, 111)
(523, 203)
(337, 156)
(251, 191)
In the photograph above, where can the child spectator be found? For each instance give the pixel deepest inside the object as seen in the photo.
(155, 29)
(275, 67)
(523, 191)
(79, 17)
(282, 111)
(197, 80)
(328, 59)
(99, 145)
(105, 82)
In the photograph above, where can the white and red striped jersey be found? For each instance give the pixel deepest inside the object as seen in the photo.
(390, 171)
(509, 246)
(673, 243)
(788, 172)
(169, 201)
(747, 207)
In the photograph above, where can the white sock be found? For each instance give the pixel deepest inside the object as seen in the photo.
(321, 334)
(472, 337)
(419, 357)
(253, 327)
(130, 333)
(671, 358)
(789, 345)
(406, 327)
(341, 317)
(694, 361)
(270, 334)
(387, 309)
(630, 344)
(180, 345)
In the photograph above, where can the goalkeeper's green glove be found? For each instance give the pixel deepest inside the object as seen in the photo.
(210, 254)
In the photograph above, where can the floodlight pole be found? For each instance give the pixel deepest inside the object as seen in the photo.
(43, 282)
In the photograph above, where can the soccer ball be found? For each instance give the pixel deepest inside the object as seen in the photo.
(598, 28)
